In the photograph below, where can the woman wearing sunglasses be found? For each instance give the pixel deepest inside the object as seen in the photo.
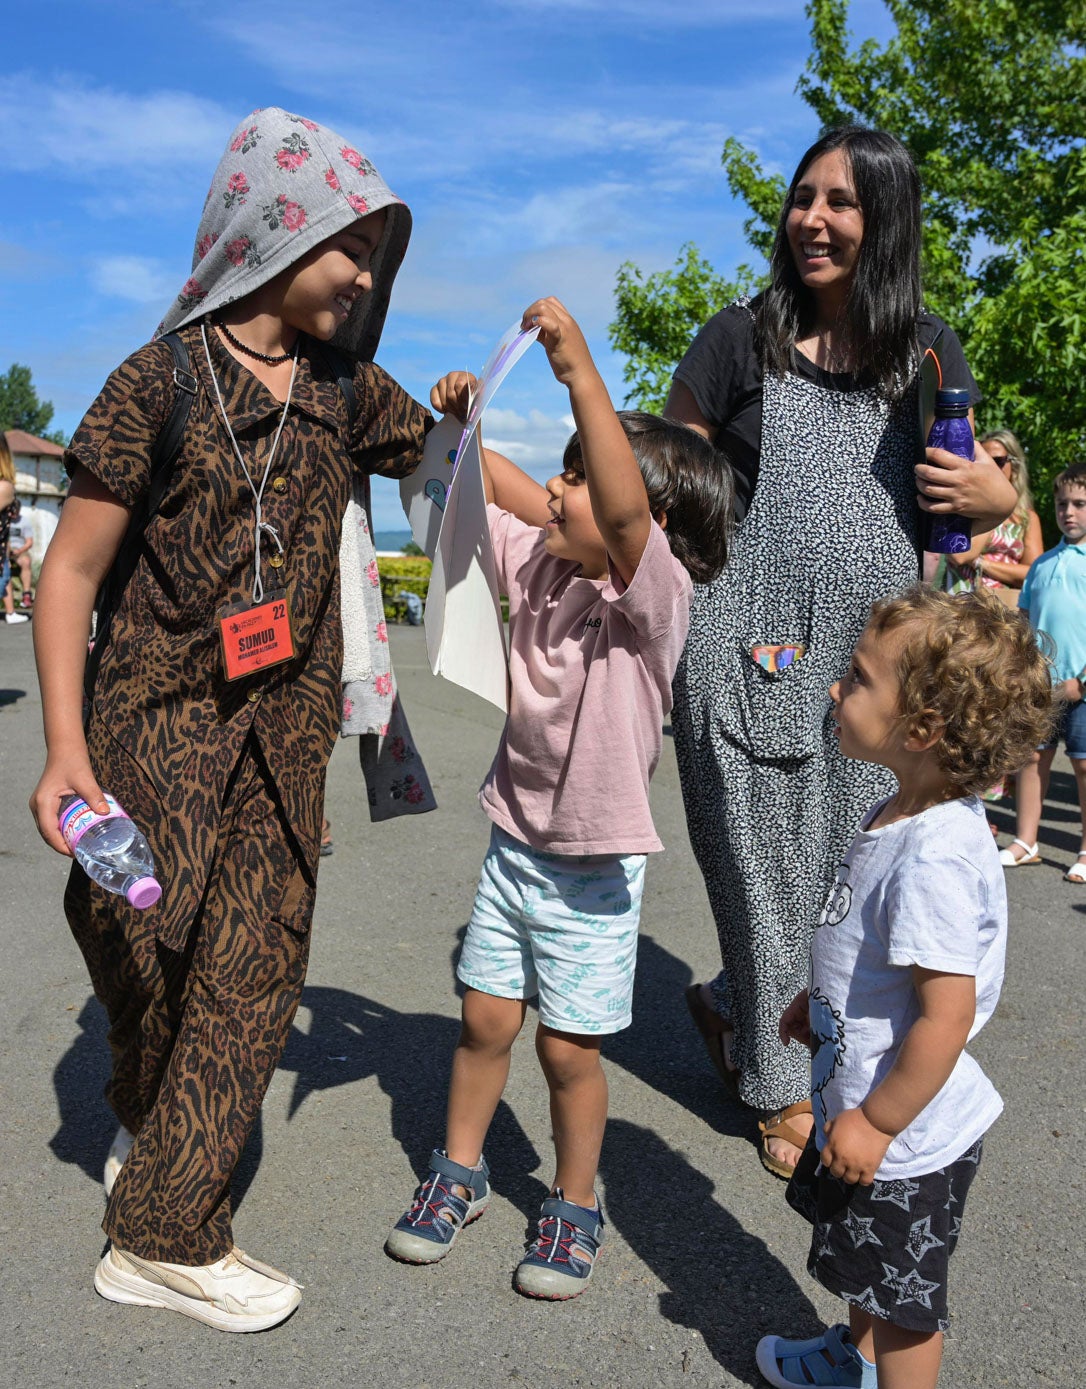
(999, 559)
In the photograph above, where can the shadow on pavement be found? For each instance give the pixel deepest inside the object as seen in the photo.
(662, 1047)
(350, 1037)
(87, 1124)
(721, 1281)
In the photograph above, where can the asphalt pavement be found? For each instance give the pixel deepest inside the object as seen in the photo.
(702, 1254)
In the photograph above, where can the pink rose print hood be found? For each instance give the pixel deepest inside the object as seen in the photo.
(283, 185)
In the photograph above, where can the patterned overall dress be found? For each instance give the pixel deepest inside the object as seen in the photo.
(771, 804)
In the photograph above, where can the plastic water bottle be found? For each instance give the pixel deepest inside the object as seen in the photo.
(950, 535)
(111, 850)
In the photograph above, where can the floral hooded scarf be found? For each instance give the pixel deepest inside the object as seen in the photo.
(284, 185)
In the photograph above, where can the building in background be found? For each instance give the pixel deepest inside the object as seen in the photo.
(40, 484)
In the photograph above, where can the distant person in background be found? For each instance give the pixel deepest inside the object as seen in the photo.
(999, 559)
(8, 507)
(20, 544)
(1054, 596)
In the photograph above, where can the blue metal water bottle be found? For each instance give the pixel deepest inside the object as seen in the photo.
(950, 535)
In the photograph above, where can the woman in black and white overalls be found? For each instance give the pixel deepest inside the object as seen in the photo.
(811, 390)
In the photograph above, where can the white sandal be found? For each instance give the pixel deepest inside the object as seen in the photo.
(1077, 872)
(1008, 859)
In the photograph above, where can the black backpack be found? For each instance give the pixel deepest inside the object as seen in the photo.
(164, 454)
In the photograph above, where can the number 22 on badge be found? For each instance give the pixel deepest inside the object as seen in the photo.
(255, 637)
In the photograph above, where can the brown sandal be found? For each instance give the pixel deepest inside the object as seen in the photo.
(777, 1126)
(713, 1029)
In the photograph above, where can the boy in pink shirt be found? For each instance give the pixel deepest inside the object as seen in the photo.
(597, 567)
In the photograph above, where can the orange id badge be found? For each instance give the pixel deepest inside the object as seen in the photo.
(255, 637)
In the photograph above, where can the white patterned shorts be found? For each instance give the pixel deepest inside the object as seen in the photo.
(560, 926)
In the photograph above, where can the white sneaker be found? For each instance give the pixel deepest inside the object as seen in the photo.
(235, 1294)
(122, 1146)
(16, 617)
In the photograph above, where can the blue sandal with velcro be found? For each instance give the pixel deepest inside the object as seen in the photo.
(563, 1253)
(449, 1197)
(829, 1361)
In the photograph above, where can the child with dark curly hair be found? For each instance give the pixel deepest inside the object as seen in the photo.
(948, 693)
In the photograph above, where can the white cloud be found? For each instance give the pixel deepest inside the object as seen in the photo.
(61, 122)
(533, 441)
(135, 278)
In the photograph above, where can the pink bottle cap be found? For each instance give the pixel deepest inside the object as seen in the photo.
(144, 892)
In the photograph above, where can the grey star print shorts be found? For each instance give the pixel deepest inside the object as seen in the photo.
(886, 1247)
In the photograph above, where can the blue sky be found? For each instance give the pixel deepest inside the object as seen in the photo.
(539, 144)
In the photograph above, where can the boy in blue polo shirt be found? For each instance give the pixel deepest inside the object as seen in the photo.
(1054, 596)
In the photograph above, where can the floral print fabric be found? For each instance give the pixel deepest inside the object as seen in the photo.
(1007, 546)
(283, 185)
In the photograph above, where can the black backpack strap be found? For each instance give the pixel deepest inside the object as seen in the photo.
(168, 444)
(164, 452)
(343, 366)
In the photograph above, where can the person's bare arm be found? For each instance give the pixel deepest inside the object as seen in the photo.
(513, 490)
(795, 1023)
(620, 504)
(505, 484)
(91, 527)
(966, 557)
(684, 409)
(857, 1139)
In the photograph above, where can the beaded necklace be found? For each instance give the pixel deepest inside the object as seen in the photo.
(267, 358)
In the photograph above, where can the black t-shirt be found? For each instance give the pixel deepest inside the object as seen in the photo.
(724, 375)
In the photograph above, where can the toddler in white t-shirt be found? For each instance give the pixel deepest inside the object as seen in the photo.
(597, 567)
(949, 693)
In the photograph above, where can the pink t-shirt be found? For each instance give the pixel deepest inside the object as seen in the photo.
(590, 671)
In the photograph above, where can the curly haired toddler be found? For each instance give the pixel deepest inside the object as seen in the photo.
(948, 693)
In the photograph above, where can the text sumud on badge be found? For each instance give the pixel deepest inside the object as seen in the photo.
(255, 637)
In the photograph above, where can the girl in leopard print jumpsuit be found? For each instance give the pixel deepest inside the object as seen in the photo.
(299, 243)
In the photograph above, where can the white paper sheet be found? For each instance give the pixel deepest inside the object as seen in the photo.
(424, 493)
(465, 636)
(445, 503)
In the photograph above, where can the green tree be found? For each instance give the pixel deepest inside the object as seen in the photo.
(20, 407)
(987, 98)
(660, 313)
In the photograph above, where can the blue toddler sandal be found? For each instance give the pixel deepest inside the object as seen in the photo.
(561, 1258)
(425, 1233)
(830, 1361)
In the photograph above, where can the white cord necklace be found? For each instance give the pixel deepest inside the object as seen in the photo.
(260, 526)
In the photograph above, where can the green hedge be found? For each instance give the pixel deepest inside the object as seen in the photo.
(399, 573)
(410, 572)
